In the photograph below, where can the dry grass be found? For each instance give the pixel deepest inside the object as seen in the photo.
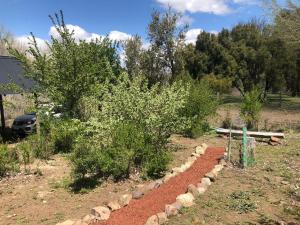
(264, 194)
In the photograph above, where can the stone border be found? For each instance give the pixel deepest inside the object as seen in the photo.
(187, 199)
(102, 213)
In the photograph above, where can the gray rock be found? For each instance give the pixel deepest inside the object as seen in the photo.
(193, 190)
(153, 220)
(89, 218)
(162, 218)
(125, 199)
(186, 200)
(137, 194)
(113, 206)
(218, 168)
(201, 190)
(171, 210)
(223, 162)
(206, 181)
(212, 176)
(101, 212)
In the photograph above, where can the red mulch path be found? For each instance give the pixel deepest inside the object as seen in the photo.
(138, 211)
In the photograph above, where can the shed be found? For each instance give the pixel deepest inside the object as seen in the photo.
(12, 72)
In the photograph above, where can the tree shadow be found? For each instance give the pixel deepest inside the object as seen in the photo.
(287, 103)
(229, 99)
(85, 184)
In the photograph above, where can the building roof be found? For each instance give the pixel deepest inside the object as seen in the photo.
(11, 71)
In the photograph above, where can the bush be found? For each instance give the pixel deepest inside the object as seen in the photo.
(26, 154)
(8, 160)
(201, 104)
(251, 107)
(130, 148)
(41, 146)
(63, 135)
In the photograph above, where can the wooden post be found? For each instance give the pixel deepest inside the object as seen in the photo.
(229, 145)
(244, 148)
(2, 115)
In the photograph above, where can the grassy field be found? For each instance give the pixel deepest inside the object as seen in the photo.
(265, 194)
(274, 116)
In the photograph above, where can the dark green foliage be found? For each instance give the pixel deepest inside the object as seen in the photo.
(201, 103)
(8, 160)
(64, 134)
(131, 148)
(249, 55)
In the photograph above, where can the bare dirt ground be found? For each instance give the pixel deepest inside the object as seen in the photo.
(46, 199)
(266, 194)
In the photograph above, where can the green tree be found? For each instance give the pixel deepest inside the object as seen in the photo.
(71, 70)
(166, 39)
(133, 53)
(251, 55)
(251, 108)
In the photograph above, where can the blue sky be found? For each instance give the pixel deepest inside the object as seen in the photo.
(124, 18)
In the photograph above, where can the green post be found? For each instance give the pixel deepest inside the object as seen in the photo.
(244, 150)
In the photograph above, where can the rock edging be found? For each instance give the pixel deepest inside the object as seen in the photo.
(102, 213)
(187, 199)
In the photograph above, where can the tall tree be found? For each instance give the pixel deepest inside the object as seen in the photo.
(71, 70)
(251, 55)
(133, 53)
(166, 39)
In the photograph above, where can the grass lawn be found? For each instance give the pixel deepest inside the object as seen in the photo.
(264, 194)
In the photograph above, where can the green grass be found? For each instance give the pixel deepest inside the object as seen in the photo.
(273, 102)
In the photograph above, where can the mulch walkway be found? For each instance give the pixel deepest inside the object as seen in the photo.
(138, 211)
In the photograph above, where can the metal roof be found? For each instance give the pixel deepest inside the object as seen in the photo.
(11, 71)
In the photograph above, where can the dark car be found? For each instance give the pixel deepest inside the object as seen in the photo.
(25, 124)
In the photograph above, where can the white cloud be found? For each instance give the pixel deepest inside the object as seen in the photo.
(193, 6)
(82, 34)
(79, 33)
(24, 42)
(218, 7)
(118, 36)
(192, 35)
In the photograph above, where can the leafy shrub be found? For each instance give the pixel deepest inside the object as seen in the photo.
(157, 164)
(8, 160)
(41, 146)
(219, 84)
(201, 104)
(251, 107)
(63, 135)
(130, 148)
(26, 154)
(131, 130)
(84, 159)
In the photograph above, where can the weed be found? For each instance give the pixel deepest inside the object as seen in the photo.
(264, 220)
(240, 201)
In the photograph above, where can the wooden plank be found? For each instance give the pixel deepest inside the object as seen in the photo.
(250, 133)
